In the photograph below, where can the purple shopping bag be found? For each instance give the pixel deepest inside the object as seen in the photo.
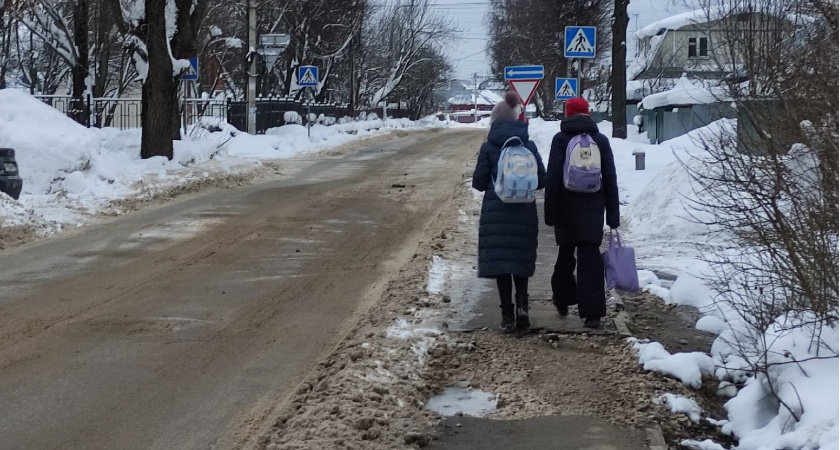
(620, 265)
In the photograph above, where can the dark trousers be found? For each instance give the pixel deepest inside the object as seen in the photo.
(587, 291)
(505, 286)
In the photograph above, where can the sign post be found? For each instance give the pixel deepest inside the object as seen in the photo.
(252, 68)
(524, 80)
(308, 78)
(579, 43)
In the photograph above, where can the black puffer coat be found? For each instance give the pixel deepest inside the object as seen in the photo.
(578, 218)
(507, 232)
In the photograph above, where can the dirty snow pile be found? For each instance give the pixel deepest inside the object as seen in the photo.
(70, 172)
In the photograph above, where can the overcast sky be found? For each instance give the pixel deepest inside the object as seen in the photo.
(467, 50)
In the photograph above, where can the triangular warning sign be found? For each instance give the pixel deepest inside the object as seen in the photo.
(566, 90)
(308, 77)
(190, 72)
(525, 89)
(580, 43)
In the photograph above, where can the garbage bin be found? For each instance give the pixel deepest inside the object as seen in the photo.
(640, 158)
(10, 181)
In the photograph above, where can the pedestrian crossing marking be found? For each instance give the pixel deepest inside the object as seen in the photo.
(580, 43)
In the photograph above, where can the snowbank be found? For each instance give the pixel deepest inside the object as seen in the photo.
(656, 213)
(71, 172)
(683, 93)
(678, 21)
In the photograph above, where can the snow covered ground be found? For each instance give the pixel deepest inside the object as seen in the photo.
(72, 175)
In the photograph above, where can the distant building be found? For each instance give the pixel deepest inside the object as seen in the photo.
(686, 64)
(701, 44)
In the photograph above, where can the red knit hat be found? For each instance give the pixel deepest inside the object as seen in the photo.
(577, 105)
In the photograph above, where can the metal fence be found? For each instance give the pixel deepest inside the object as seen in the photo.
(667, 122)
(271, 112)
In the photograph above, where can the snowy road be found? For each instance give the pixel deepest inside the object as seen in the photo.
(185, 325)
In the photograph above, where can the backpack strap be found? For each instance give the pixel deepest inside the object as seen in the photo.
(512, 138)
(574, 140)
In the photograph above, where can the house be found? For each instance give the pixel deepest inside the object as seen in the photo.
(462, 107)
(686, 63)
(711, 44)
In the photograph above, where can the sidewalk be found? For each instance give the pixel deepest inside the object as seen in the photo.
(546, 432)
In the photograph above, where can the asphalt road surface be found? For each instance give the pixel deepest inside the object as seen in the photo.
(186, 324)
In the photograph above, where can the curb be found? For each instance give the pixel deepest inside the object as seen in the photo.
(620, 321)
(657, 440)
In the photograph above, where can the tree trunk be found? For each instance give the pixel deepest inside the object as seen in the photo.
(159, 87)
(5, 43)
(80, 108)
(184, 47)
(618, 77)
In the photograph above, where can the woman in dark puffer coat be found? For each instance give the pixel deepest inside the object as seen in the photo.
(578, 220)
(507, 233)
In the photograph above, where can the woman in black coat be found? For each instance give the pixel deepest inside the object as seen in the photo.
(578, 220)
(507, 232)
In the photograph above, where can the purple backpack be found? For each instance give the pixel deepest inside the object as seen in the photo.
(582, 169)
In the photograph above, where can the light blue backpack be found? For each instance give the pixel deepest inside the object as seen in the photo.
(516, 175)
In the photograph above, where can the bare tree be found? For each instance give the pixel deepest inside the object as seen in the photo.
(770, 182)
(524, 33)
(63, 26)
(400, 41)
(321, 33)
(416, 92)
(6, 26)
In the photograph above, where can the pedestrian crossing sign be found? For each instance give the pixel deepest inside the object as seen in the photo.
(565, 88)
(192, 72)
(580, 42)
(307, 76)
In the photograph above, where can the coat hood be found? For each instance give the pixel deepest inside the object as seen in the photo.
(501, 130)
(578, 124)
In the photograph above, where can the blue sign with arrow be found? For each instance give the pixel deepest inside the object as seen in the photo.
(565, 88)
(580, 42)
(307, 76)
(524, 73)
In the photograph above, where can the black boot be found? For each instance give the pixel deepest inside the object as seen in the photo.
(523, 322)
(592, 322)
(562, 308)
(508, 318)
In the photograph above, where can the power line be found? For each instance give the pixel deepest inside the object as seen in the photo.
(468, 56)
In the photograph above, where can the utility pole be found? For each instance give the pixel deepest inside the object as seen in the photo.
(618, 77)
(475, 98)
(251, 115)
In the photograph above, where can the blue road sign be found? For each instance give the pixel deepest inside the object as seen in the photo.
(565, 88)
(193, 72)
(580, 42)
(307, 76)
(524, 73)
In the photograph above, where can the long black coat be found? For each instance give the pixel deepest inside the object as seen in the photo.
(578, 218)
(507, 232)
